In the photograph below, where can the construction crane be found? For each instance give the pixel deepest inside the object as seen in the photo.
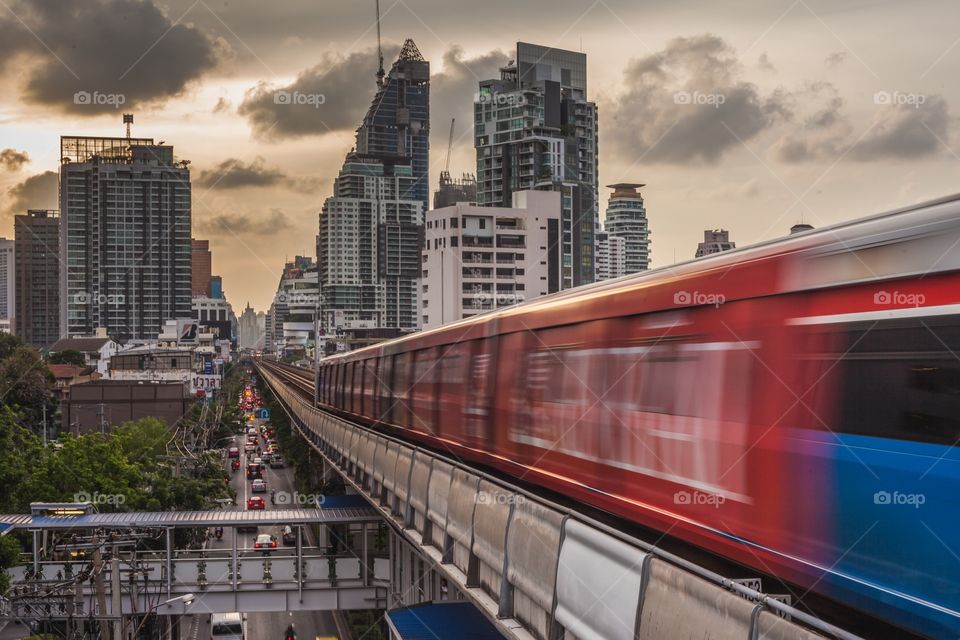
(380, 72)
(446, 167)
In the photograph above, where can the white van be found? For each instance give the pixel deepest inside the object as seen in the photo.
(228, 626)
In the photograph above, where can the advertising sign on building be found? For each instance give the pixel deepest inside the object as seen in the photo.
(208, 367)
(206, 382)
(186, 331)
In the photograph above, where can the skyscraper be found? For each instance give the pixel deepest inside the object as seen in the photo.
(627, 219)
(201, 266)
(714, 241)
(7, 289)
(368, 248)
(535, 129)
(37, 270)
(125, 234)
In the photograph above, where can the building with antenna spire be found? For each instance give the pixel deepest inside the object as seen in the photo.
(371, 229)
(124, 236)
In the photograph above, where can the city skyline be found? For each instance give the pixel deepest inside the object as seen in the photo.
(748, 119)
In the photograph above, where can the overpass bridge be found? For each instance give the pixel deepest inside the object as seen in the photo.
(108, 576)
(536, 569)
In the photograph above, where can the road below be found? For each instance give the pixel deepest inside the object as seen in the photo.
(309, 625)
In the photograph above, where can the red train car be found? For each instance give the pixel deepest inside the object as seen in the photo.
(728, 401)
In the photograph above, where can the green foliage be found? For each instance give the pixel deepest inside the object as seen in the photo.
(27, 385)
(68, 356)
(8, 343)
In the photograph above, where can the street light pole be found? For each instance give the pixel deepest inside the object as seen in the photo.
(186, 598)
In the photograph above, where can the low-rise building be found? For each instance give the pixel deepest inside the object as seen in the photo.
(103, 404)
(476, 259)
(97, 350)
(67, 375)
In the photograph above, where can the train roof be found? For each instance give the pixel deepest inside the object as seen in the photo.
(842, 236)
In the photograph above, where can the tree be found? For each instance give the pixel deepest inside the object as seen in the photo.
(68, 356)
(26, 385)
(8, 342)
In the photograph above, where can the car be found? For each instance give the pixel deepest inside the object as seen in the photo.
(258, 486)
(255, 503)
(258, 461)
(233, 452)
(252, 431)
(276, 462)
(289, 536)
(254, 471)
(265, 541)
(249, 447)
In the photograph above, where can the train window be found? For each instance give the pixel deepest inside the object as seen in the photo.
(357, 387)
(479, 390)
(901, 380)
(400, 389)
(425, 370)
(384, 395)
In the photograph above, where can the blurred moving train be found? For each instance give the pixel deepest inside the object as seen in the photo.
(793, 405)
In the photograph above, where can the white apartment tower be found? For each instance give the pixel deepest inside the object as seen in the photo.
(479, 258)
(627, 219)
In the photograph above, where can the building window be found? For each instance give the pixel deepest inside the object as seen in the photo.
(483, 223)
(453, 241)
(453, 223)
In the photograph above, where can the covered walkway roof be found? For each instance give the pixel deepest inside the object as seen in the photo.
(335, 514)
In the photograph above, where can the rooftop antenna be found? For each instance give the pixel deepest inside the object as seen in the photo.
(380, 73)
(128, 120)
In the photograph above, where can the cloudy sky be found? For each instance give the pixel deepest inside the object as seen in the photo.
(747, 115)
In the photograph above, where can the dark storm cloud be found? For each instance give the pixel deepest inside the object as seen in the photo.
(99, 56)
(330, 96)
(824, 133)
(36, 192)
(906, 131)
(687, 103)
(918, 126)
(241, 224)
(232, 173)
(12, 160)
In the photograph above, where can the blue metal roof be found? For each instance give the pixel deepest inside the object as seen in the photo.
(455, 620)
(354, 501)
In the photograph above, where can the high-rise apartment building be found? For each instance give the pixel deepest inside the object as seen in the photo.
(125, 236)
(368, 248)
(611, 256)
(476, 259)
(201, 267)
(37, 271)
(251, 335)
(7, 290)
(714, 241)
(627, 218)
(535, 129)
